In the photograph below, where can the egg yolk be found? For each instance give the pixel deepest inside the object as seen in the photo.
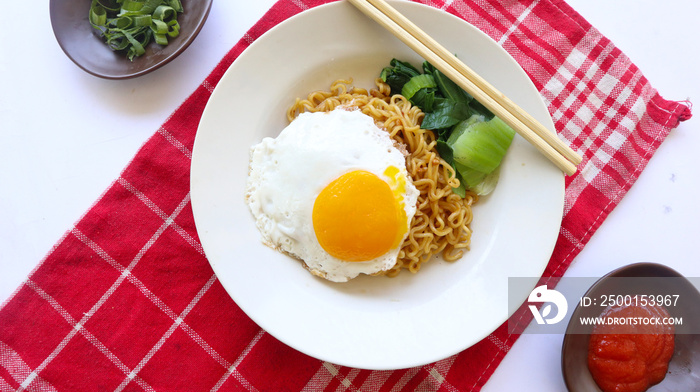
(359, 217)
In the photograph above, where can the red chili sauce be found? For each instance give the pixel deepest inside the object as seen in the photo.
(634, 360)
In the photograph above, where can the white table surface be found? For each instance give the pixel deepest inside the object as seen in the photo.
(55, 160)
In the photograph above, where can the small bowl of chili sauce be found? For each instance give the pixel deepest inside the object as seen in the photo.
(636, 358)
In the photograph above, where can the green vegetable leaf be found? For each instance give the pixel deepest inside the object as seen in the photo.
(478, 182)
(461, 190)
(450, 90)
(482, 144)
(397, 74)
(445, 151)
(469, 137)
(417, 83)
(445, 114)
(477, 107)
(424, 99)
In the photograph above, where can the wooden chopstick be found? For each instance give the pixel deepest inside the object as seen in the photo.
(482, 84)
(523, 123)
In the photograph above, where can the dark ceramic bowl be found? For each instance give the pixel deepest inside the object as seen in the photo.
(82, 43)
(684, 368)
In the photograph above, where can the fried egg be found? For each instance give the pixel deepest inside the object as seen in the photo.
(332, 190)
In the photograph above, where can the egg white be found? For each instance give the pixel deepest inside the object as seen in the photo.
(287, 173)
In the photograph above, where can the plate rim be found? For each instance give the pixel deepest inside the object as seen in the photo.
(217, 90)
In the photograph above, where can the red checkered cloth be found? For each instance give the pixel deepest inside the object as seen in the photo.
(126, 300)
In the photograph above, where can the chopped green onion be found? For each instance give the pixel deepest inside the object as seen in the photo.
(130, 6)
(130, 25)
(98, 15)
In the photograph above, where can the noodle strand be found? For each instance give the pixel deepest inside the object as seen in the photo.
(441, 223)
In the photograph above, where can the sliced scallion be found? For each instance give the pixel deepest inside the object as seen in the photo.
(130, 25)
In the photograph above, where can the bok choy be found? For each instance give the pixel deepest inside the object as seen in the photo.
(469, 136)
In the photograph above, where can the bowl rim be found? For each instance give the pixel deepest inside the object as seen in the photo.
(180, 46)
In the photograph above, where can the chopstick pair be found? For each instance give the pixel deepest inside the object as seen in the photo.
(523, 123)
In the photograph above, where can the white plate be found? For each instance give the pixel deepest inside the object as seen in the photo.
(370, 322)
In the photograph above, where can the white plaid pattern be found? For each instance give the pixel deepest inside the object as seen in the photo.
(598, 100)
